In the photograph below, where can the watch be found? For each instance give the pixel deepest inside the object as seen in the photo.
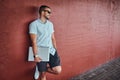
(36, 55)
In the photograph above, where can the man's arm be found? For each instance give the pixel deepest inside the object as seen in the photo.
(34, 47)
(54, 41)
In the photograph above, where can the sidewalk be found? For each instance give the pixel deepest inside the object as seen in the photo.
(108, 71)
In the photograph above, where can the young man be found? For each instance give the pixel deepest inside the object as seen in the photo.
(42, 34)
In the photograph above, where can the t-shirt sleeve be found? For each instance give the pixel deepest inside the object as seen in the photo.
(52, 28)
(32, 28)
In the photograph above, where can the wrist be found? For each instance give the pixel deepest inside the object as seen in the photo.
(36, 55)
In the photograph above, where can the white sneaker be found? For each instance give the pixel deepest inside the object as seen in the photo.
(36, 75)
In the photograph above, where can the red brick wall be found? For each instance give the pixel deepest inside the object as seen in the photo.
(87, 33)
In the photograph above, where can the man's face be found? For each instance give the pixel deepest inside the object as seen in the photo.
(47, 13)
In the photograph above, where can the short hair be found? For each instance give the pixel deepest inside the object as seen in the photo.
(42, 8)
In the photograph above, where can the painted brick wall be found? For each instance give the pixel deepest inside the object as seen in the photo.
(87, 33)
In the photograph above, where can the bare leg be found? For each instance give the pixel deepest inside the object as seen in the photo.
(55, 70)
(43, 76)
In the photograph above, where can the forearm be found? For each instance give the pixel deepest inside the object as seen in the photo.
(36, 56)
(54, 43)
(34, 43)
(34, 47)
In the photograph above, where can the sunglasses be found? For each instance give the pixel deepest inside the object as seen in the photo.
(47, 11)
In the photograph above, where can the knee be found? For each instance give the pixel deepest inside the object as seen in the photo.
(58, 71)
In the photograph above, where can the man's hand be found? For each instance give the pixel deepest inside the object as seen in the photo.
(37, 59)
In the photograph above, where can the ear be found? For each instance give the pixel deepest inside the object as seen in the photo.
(42, 12)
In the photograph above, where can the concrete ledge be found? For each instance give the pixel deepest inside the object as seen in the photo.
(108, 71)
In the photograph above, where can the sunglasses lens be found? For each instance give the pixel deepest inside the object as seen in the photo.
(47, 11)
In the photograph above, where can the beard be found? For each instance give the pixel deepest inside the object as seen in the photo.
(46, 17)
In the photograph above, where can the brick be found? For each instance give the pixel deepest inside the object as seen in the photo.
(107, 71)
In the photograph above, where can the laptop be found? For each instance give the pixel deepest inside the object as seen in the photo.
(43, 53)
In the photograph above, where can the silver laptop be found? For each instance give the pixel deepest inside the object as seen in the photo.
(43, 53)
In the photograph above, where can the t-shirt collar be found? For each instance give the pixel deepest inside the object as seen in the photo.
(41, 21)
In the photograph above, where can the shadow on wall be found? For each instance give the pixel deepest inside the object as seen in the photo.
(33, 11)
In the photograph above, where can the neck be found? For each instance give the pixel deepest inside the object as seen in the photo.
(43, 19)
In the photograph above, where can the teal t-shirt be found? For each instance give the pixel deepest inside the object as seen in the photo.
(44, 33)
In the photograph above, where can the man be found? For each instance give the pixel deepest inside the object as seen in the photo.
(42, 34)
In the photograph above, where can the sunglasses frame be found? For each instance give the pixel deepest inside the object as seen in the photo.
(47, 11)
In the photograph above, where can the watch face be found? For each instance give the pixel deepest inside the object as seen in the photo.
(36, 56)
